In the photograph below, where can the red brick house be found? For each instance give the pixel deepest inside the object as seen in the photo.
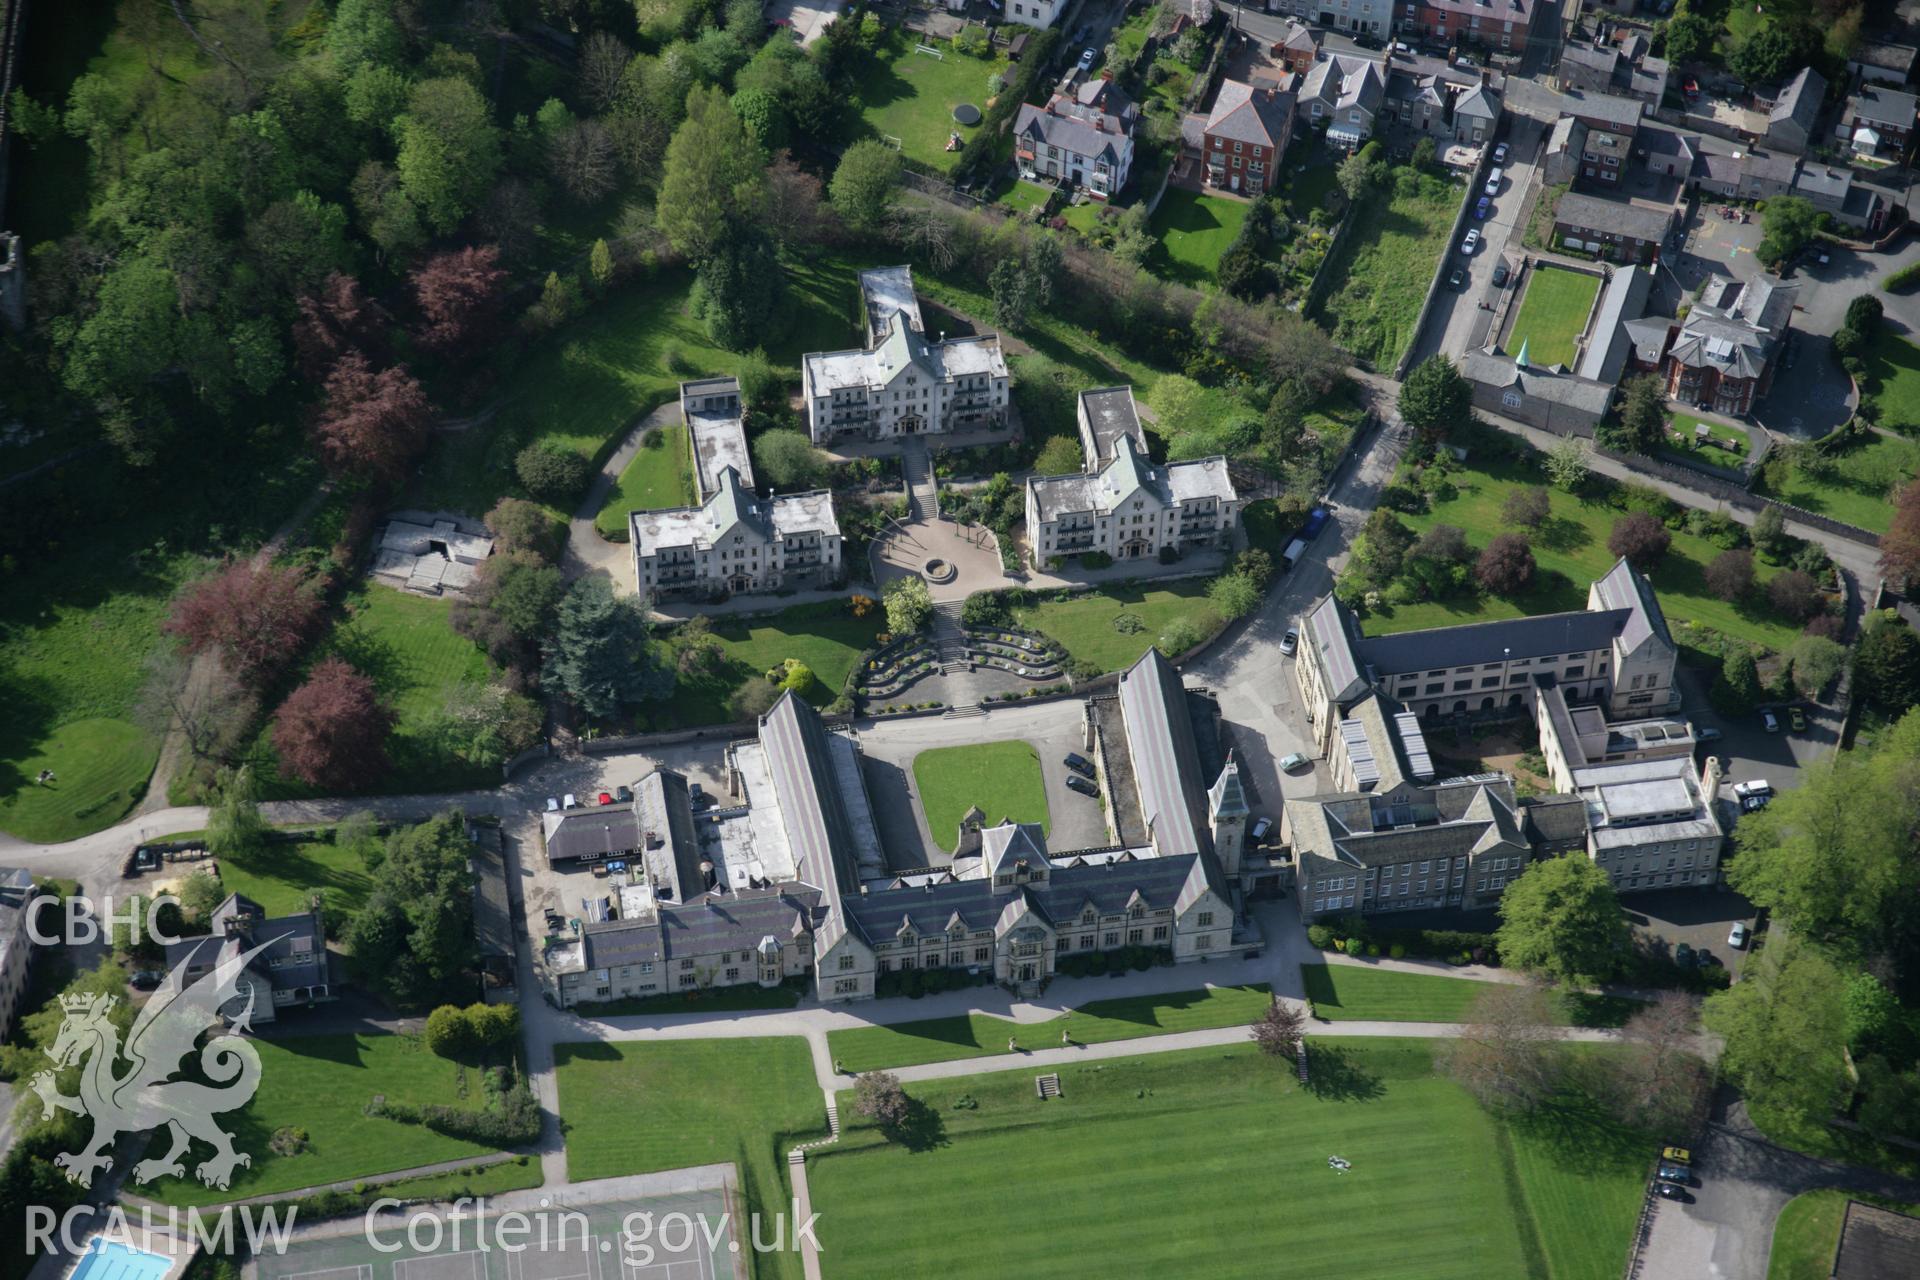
(1725, 353)
(1245, 135)
(1495, 24)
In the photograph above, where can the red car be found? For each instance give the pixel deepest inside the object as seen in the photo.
(605, 798)
(1690, 87)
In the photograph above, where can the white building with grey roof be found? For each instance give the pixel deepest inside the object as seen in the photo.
(902, 382)
(1121, 502)
(787, 876)
(1652, 823)
(1084, 138)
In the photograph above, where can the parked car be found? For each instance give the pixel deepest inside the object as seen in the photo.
(1401, 46)
(606, 797)
(145, 859)
(1480, 209)
(1500, 274)
(1083, 786)
(1292, 761)
(1290, 641)
(1706, 733)
(1756, 787)
(569, 801)
(1471, 243)
(1797, 719)
(1079, 34)
(623, 794)
(553, 804)
(1737, 936)
(1086, 59)
(147, 979)
(1456, 278)
(1500, 156)
(1753, 804)
(1677, 1155)
(1677, 1174)
(1683, 956)
(1079, 763)
(1767, 718)
(1690, 87)
(1494, 176)
(1260, 828)
(1669, 1191)
(1316, 521)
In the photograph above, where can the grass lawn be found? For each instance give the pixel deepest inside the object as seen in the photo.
(516, 1174)
(1685, 423)
(1571, 550)
(1084, 217)
(1191, 231)
(1385, 262)
(641, 1108)
(405, 643)
(1003, 778)
(911, 96)
(1148, 1163)
(585, 385)
(1553, 315)
(100, 770)
(906, 1044)
(1857, 485)
(825, 636)
(1893, 378)
(1311, 178)
(660, 475)
(283, 877)
(1024, 196)
(1084, 625)
(1344, 992)
(322, 1084)
(1808, 1231)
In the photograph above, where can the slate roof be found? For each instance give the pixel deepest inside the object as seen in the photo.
(1604, 110)
(590, 832)
(1594, 213)
(1877, 1244)
(296, 951)
(1552, 820)
(1608, 344)
(668, 847)
(1109, 884)
(1448, 819)
(1336, 638)
(1501, 371)
(719, 922)
(1479, 642)
(1625, 588)
(812, 810)
(1799, 102)
(1877, 104)
(731, 506)
(1077, 130)
(1736, 326)
(1126, 473)
(1242, 113)
(1166, 762)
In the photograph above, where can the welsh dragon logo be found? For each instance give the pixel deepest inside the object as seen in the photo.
(144, 1096)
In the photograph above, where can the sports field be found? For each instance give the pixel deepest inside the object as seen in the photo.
(683, 1235)
(1215, 1163)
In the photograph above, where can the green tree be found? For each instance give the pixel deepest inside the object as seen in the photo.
(1561, 920)
(1435, 400)
(714, 184)
(1012, 290)
(1816, 662)
(1180, 407)
(909, 605)
(1784, 1029)
(1769, 532)
(449, 150)
(450, 1033)
(600, 264)
(1789, 222)
(1061, 455)
(601, 655)
(738, 291)
(1642, 427)
(235, 828)
(865, 184)
(1887, 663)
(1738, 687)
(1772, 53)
(363, 31)
(413, 940)
(787, 460)
(200, 893)
(1234, 595)
(1872, 1011)
(1689, 38)
(1567, 464)
(1382, 546)
(523, 590)
(375, 95)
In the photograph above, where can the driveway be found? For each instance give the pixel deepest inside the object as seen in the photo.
(1700, 918)
(1458, 323)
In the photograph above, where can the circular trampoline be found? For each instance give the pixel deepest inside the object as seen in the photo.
(967, 113)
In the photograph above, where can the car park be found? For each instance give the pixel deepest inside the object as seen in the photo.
(1480, 209)
(1079, 763)
(1670, 1191)
(1293, 761)
(1683, 956)
(1797, 719)
(1080, 784)
(1675, 1173)
(1737, 936)
(1290, 641)
(1500, 274)
(1471, 243)
(1260, 828)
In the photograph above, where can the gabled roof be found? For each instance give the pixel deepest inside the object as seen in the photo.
(1799, 102)
(1539, 636)
(1242, 113)
(1625, 299)
(1165, 760)
(1013, 844)
(1625, 588)
(1228, 797)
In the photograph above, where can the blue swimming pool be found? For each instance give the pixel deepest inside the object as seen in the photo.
(110, 1260)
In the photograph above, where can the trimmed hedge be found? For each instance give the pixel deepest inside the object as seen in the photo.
(515, 1123)
(1031, 73)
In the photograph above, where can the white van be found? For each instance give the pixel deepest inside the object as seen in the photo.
(1295, 549)
(1493, 180)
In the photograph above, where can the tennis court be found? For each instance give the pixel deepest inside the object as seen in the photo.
(681, 1236)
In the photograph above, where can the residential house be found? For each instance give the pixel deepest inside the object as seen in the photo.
(1362, 17)
(1610, 654)
(1428, 96)
(1796, 112)
(903, 382)
(736, 543)
(1616, 229)
(1725, 353)
(17, 897)
(1296, 48)
(285, 959)
(1245, 134)
(1876, 1244)
(1347, 92)
(1883, 62)
(788, 878)
(1877, 121)
(1084, 138)
(1587, 67)
(1122, 503)
(1492, 24)
(1560, 157)
(1834, 190)
(1607, 112)
(1035, 13)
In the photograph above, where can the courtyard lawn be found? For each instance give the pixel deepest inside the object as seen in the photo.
(1191, 231)
(1352, 993)
(825, 636)
(407, 646)
(1003, 778)
(660, 475)
(1383, 266)
(322, 1084)
(1571, 550)
(905, 1044)
(1893, 379)
(585, 385)
(911, 96)
(1084, 625)
(1212, 1140)
(642, 1108)
(1684, 424)
(1859, 483)
(1553, 315)
(1807, 1232)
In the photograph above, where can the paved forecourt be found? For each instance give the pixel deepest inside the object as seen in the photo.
(607, 1230)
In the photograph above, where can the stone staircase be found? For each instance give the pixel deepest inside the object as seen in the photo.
(799, 1154)
(1047, 1086)
(969, 711)
(949, 637)
(923, 491)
